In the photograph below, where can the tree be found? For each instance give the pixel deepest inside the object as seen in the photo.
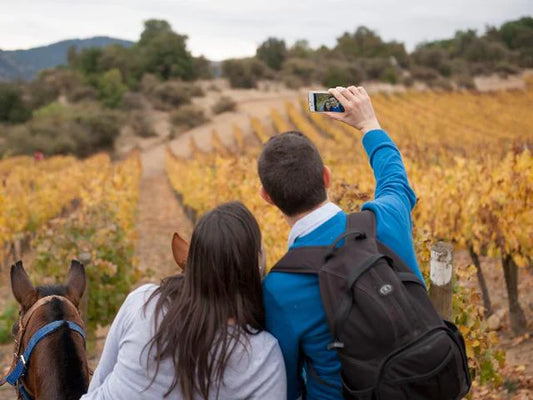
(119, 57)
(12, 107)
(111, 88)
(366, 43)
(518, 35)
(514, 33)
(88, 61)
(272, 52)
(300, 49)
(202, 68)
(164, 52)
(152, 29)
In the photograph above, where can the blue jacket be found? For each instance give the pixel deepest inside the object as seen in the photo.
(294, 311)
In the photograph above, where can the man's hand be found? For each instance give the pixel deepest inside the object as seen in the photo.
(358, 110)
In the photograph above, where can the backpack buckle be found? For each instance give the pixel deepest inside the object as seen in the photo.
(336, 345)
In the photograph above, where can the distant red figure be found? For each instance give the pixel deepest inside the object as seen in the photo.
(38, 156)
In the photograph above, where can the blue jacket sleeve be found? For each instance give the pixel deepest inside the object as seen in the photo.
(394, 197)
(278, 323)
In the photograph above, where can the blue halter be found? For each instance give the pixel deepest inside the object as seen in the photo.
(14, 378)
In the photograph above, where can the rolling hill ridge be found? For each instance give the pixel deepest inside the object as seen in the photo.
(25, 64)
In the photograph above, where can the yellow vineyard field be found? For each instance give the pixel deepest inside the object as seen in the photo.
(468, 157)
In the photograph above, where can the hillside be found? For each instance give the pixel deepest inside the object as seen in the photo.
(25, 64)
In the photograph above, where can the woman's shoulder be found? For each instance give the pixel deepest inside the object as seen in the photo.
(136, 300)
(262, 346)
(263, 338)
(142, 293)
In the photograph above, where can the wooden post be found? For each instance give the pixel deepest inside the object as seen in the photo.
(85, 259)
(441, 277)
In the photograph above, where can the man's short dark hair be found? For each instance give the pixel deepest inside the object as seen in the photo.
(291, 171)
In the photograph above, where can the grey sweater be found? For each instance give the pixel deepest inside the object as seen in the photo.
(256, 371)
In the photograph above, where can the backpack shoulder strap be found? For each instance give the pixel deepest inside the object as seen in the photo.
(364, 221)
(302, 260)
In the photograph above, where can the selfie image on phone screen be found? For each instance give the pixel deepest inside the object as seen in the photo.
(327, 102)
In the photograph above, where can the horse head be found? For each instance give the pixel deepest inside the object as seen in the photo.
(50, 354)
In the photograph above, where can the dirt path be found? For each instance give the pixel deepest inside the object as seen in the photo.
(249, 104)
(159, 215)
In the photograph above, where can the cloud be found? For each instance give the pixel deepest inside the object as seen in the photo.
(233, 28)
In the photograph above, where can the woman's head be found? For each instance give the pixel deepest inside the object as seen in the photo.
(221, 286)
(223, 260)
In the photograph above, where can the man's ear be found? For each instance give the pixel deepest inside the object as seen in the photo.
(180, 250)
(326, 176)
(265, 196)
(21, 286)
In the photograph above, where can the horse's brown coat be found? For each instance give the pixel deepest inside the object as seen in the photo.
(58, 369)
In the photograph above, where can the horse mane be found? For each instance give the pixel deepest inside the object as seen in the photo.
(67, 381)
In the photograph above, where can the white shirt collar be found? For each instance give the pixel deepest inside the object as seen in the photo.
(312, 221)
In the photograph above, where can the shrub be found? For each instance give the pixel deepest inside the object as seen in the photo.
(148, 83)
(188, 117)
(480, 50)
(194, 90)
(424, 74)
(465, 82)
(112, 271)
(172, 94)
(459, 66)
(7, 319)
(82, 93)
(342, 73)
(389, 75)
(408, 81)
(141, 126)
(505, 69)
(434, 58)
(375, 68)
(56, 129)
(224, 104)
(42, 92)
(303, 70)
(213, 88)
(441, 83)
(244, 73)
(292, 81)
(134, 101)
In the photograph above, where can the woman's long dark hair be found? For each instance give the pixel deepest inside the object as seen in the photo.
(200, 315)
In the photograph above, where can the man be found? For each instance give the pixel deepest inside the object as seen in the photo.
(295, 180)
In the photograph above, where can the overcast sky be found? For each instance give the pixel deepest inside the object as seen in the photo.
(233, 28)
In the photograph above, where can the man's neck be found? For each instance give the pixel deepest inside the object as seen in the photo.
(295, 218)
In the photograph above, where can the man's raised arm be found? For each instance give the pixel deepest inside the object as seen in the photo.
(394, 197)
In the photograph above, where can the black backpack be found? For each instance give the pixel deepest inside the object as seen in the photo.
(391, 342)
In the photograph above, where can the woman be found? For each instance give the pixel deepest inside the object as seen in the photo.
(198, 335)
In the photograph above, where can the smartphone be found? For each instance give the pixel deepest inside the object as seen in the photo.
(324, 102)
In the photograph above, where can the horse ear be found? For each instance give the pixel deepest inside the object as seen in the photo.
(76, 282)
(180, 250)
(22, 287)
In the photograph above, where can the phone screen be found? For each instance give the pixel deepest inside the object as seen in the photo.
(327, 102)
